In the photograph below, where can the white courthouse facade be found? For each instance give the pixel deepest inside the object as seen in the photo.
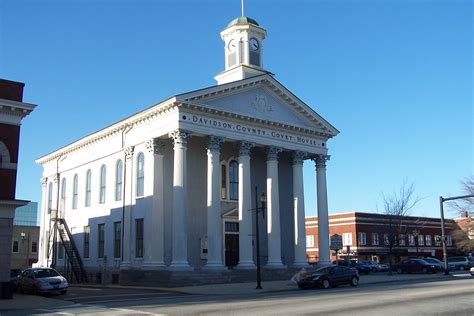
(173, 186)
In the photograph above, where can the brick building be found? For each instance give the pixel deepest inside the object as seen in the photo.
(365, 236)
(12, 111)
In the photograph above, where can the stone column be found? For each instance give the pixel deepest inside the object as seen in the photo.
(323, 219)
(154, 223)
(214, 222)
(245, 204)
(299, 211)
(179, 213)
(44, 219)
(127, 200)
(273, 209)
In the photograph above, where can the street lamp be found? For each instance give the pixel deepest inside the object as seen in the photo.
(443, 235)
(26, 236)
(263, 201)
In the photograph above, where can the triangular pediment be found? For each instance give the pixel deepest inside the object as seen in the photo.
(262, 98)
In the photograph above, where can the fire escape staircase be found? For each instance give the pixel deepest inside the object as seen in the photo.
(71, 250)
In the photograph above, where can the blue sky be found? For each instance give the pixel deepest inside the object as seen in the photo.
(395, 77)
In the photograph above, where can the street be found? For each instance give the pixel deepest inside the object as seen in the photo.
(441, 297)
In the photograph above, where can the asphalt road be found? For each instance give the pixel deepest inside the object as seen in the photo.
(450, 297)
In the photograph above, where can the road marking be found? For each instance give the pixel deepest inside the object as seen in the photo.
(121, 295)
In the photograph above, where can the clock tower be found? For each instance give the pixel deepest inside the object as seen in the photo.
(243, 50)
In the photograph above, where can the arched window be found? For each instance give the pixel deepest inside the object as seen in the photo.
(234, 180)
(103, 178)
(88, 188)
(74, 192)
(223, 182)
(63, 194)
(140, 174)
(50, 197)
(118, 180)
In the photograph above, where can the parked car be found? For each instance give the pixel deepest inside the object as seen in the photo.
(330, 276)
(375, 266)
(460, 263)
(42, 280)
(472, 271)
(14, 274)
(415, 266)
(361, 267)
(435, 261)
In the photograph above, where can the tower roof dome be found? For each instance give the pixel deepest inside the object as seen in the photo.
(242, 20)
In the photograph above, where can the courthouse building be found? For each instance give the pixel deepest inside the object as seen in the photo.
(173, 186)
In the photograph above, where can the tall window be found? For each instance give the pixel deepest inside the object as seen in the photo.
(347, 239)
(223, 182)
(86, 241)
(118, 180)
(386, 239)
(438, 240)
(375, 239)
(139, 238)
(421, 240)
(117, 239)
(63, 194)
(309, 241)
(362, 239)
(16, 246)
(401, 240)
(74, 192)
(34, 247)
(140, 174)
(101, 240)
(88, 188)
(50, 197)
(103, 178)
(233, 180)
(411, 240)
(449, 240)
(428, 240)
(60, 250)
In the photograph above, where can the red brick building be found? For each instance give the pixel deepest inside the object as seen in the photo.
(365, 236)
(12, 111)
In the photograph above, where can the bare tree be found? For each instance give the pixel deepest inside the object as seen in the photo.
(463, 234)
(397, 207)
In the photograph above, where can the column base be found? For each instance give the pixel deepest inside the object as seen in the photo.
(300, 264)
(246, 265)
(275, 265)
(125, 265)
(214, 266)
(180, 265)
(152, 265)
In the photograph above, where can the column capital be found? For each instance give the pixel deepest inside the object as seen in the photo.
(244, 148)
(44, 181)
(155, 146)
(272, 152)
(298, 157)
(129, 152)
(320, 161)
(180, 137)
(214, 143)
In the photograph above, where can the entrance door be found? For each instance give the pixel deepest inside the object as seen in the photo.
(231, 250)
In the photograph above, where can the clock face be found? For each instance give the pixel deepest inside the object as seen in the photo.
(232, 45)
(254, 44)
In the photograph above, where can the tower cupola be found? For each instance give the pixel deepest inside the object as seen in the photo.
(243, 50)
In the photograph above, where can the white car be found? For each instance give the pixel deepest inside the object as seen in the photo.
(42, 281)
(472, 271)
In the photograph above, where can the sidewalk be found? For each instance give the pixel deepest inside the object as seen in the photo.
(21, 301)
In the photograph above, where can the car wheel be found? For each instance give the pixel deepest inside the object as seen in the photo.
(35, 290)
(374, 270)
(399, 271)
(354, 281)
(424, 270)
(461, 268)
(20, 289)
(326, 284)
(63, 292)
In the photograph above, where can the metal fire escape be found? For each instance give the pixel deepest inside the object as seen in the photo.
(60, 226)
